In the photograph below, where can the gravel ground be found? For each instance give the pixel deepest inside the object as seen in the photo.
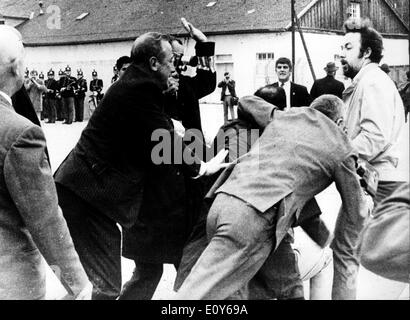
(61, 138)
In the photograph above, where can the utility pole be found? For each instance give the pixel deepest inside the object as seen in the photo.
(293, 38)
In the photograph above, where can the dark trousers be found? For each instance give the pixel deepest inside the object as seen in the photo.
(97, 241)
(79, 109)
(51, 109)
(59, 109)
(68, 109)
(144, 281)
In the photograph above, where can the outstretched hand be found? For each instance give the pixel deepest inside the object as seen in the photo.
(217, 163)
(194, 33)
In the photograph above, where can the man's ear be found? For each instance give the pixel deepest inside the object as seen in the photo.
(15, 68)
(367, 53)
(154, 63)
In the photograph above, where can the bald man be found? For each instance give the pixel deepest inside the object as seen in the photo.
(31, 223)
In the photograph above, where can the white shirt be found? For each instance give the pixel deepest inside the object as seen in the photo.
(6, 96)
(286, 87)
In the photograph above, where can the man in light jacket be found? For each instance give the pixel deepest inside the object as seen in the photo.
(31, 223)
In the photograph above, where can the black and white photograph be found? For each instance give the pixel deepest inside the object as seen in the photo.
(204, 150)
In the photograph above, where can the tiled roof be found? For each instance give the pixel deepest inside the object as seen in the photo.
(114, 20)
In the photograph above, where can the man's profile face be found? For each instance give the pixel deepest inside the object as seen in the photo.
(283, 72)
(166, 63)
(123, 68)
(350, 55)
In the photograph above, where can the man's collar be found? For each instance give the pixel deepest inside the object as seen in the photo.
(363, 70)
(6, 97)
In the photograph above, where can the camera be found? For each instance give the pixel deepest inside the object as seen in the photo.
(369, 177)
(182, 62)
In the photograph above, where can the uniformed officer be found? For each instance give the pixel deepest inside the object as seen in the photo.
(44, 112)
(96, 86)
(68, 85)
(59, 105)
(51, 96)
(80, 96)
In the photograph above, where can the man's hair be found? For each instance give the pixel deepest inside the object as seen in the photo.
(273, 95)
(284, 60)
(121, 61)
(148, 45)
(370, 38)
(226, 74)
(330, 105)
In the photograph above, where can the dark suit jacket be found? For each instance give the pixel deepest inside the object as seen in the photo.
(327, 85)
(300, 153)
(31, 223)
(299, 95)
(230, 86)
(111, 166)
(185, 106)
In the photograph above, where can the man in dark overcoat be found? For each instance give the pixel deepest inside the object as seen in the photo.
(328, 84)
(160, 237)
(115, 175)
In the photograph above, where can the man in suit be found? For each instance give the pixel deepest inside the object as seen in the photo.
(237, 137)
(300, 153)
(139, 241)
(31, 223)
(80, 96)
(113, 175)
(68, 85)
(328, 84)
(228, 91)
(296, 95)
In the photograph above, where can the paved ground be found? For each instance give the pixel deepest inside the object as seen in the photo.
(61, 138)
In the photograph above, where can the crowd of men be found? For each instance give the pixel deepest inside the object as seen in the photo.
(224, 215)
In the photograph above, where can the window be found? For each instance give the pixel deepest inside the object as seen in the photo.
(265, 69)
(354, 10)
